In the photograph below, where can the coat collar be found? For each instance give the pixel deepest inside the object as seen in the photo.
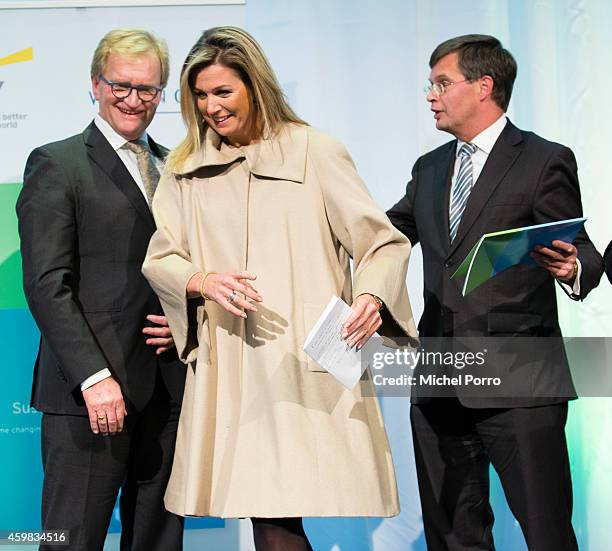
(282, 157)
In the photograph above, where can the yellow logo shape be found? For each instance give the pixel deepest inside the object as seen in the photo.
(18, 57)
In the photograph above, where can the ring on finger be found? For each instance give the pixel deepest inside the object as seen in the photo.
(101, 418)
(232, 297)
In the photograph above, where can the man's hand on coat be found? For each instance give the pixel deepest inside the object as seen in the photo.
(159, 336)
(363, 322)
(105, 406)
(560, 260)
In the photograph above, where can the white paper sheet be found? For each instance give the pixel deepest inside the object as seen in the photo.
(325, 345)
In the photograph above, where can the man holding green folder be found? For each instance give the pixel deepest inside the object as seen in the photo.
(493, 177)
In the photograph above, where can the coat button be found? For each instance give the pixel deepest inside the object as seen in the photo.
(448, 263)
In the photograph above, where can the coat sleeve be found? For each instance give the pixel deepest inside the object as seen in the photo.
(168, 266)
(380, 252)
(48, 213)
(558, 198)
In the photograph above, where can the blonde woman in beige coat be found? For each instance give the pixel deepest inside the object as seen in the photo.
(258, 215)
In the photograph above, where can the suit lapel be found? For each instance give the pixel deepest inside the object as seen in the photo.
(158, 150)
(101, 153)
(502, 157)
(441, 187)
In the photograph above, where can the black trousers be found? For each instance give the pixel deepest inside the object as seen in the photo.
(454, 447)
(83, 473)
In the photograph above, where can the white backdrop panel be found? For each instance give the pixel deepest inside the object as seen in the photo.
(53, 90)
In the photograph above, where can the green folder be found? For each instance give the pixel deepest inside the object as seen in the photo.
(498, 251)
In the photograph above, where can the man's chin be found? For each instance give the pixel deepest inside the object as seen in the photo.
(444, 127)
(130, 132)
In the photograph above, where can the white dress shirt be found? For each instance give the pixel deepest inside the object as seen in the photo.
(484, 143)
(128, 158)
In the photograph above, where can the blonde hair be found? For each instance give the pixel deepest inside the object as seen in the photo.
(130, 43)
(235, 49)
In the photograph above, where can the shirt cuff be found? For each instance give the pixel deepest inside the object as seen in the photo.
(95, 378)
(574, 290)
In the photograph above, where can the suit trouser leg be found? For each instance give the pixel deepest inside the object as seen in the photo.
(82, 475)
(526, 446)
(146, 524)
(528, 449)
(453, 475)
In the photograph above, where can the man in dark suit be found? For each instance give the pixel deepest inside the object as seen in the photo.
(493, 177)
(106, 378)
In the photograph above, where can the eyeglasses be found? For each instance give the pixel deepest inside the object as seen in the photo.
(439, 88)
(122, 90)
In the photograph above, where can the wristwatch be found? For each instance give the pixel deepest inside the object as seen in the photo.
(575, 272)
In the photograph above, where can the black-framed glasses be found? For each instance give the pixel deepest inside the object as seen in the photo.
(122, 90)
(439, 88)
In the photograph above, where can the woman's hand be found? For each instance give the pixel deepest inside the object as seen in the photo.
(230, 290)
(363, 322)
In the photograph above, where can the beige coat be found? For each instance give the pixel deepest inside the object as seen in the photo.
(263, 431)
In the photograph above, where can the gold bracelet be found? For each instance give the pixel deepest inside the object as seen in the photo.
(379, 303)
(202, 293)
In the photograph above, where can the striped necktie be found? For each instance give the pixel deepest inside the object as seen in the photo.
(462, 188)
(146, 167)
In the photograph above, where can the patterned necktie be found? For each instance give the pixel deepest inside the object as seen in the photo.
(146, 167)
(463, 187)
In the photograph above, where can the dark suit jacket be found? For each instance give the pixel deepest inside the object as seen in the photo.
(85, 227)
(608, 261)
(526, 180)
